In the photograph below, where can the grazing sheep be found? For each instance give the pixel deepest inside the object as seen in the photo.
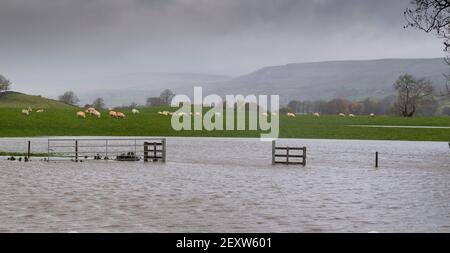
(110, 109)
(29, 109)
(265, 114)
(341, 115)
(81, 115)
(218, 114)
(120, 115)
(372, 115)
(198, 114)
(96, 114)
(351, 115)
(135, 111)
(112, 114)
(90, 110)
(274, 114)
(316, 114)
(25, 112)
(291, 115)
(40, 111)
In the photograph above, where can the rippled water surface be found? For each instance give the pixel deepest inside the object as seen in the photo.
(229, 185)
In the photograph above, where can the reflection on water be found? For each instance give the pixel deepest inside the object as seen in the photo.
(228, 185)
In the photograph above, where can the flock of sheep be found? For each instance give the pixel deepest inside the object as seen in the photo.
(316, 114)
(113, 114)
(29, 110)
(119, 115)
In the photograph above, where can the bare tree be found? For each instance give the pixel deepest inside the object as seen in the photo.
(412, 93)
(5, 84)
(69, 98)
(166, 96)
(99, 103)
(431, 16)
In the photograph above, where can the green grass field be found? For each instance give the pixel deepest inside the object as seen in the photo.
(62, 122)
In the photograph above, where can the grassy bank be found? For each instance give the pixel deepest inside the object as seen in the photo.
(18, 154)
(11, 99)
(62, 122)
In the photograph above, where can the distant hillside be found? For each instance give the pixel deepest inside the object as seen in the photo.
(301, 81)
(19, 100)
(140, 86)
(327, 80)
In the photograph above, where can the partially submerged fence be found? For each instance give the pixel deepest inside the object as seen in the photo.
(120, 149)
(289, 155)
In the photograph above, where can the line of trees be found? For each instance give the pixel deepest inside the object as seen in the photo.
(70, 98)
(414, 97)
(341, 105)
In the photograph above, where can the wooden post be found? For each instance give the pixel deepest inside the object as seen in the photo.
(376, 159)
(145, 151)
(154, 151)
(273, 152)
(29, 149)
(164, 150)
(304, 156)
(76, 151)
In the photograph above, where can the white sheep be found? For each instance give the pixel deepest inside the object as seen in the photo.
(25, 112)
(81, 115)
(135, 111)
(291, 115)
(96, 114)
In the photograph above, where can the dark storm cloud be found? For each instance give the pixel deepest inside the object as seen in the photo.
(59, 41)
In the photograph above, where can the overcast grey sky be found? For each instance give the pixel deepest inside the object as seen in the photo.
(60, 42)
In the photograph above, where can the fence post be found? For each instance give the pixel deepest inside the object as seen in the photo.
(376, 159)
(164, 150)
(304, 156)
(76, 151)
(145, 151)
(29, 149)
(273, 152)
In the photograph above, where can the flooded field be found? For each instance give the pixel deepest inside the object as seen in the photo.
(229, 185)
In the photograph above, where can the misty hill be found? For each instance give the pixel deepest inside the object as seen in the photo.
(12, 99)
(136, 87)
(301, 81)
(328, 80)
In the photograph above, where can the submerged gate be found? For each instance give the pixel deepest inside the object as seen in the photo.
(119, 149)
(288, 155)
